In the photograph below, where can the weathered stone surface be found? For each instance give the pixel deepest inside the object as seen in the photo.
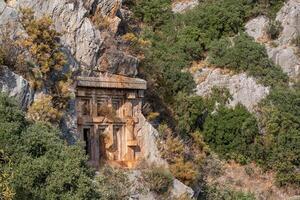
(117, 62)
(70, 19)
(182, 6)
(243, 89)
(147, 136)
(16, 86)
(286, 58)
(257, 27)
(179, 189)
(289, 16)
(282, 51)
(84, 44)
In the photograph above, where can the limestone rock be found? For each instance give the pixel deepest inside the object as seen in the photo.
(182, 6)
(289, 16)
(257, 27)
(117, 62)
(85, 45)
(243, 89)
(282, 50)
(286, 58)
(179, 189)
(16, 86)
(70, 19)
(147, 137)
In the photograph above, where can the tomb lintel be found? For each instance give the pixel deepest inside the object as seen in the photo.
(112, 81)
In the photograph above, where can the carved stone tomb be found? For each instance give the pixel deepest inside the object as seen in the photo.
(108, 108)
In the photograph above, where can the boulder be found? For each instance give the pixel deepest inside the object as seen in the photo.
(257, 27)
(16, 86)
(243, 89)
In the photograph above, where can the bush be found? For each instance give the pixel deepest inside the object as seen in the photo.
(112, 184)
(231, 131)
(214, 192)
(189, 112)
(279, 148)
(153, 12)
(43, 166)
(158, 179)
(243, 54)
(274, 29)
(47, 71)
(42, 110)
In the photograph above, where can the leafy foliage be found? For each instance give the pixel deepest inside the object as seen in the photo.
(158, 179)
(214, 192)
(231, 132)
(42, 110)
(47, 71)
(274, 29)
(113, 184)
(279, 148)
(43, 166)
(243, 54)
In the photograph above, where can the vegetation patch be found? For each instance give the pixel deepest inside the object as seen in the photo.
(159, 180)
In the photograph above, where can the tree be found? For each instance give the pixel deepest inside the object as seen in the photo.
(231, 132)
(43, 166)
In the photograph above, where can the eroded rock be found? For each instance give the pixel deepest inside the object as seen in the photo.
(16, 86)
(257, 27)
(282, 50)
(243, 89)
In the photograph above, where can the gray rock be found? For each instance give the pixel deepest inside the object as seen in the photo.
(147, 137)
(243, 89)
(16, 86)
(179, 189)
(257, 27)
(70, 19)
(286, 58)
(289, 16)
(281, 51)
(182, 6)
(82, 41)
(117, 62)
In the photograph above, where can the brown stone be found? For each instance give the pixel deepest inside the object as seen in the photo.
(108, 108)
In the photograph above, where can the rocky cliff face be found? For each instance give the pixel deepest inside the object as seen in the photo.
(16, 86)
(282, 50)
(86, 45)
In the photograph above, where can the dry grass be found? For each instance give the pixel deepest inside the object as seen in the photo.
(250, 178)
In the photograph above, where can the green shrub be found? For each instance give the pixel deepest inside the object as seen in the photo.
(231, 132)
(189, 113)
(243, 54)
(112, 184)
(274, 29)
(158, 179)
(279, 147)
(214, 192)
(43, 166)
